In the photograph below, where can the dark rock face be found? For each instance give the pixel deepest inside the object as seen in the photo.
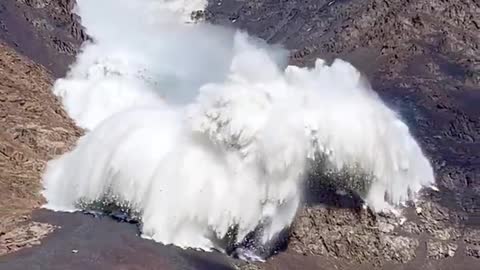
(423, 58)
(44, 30)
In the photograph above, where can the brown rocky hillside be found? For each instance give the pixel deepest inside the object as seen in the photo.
(33, 129)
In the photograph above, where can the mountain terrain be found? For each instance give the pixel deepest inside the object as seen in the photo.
(422, 57)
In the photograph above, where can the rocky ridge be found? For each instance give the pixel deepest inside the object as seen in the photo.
(45, 31)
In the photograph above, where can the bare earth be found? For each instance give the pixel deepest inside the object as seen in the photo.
(38, 40)
(422, 56)
(34, 128)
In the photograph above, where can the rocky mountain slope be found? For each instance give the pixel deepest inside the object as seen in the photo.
(34, 128)
(38, 40)
(46, 31)
(423, 57)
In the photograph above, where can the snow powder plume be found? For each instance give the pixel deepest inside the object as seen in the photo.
(206, 133)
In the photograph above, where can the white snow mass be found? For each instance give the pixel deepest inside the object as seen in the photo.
(202, 130)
